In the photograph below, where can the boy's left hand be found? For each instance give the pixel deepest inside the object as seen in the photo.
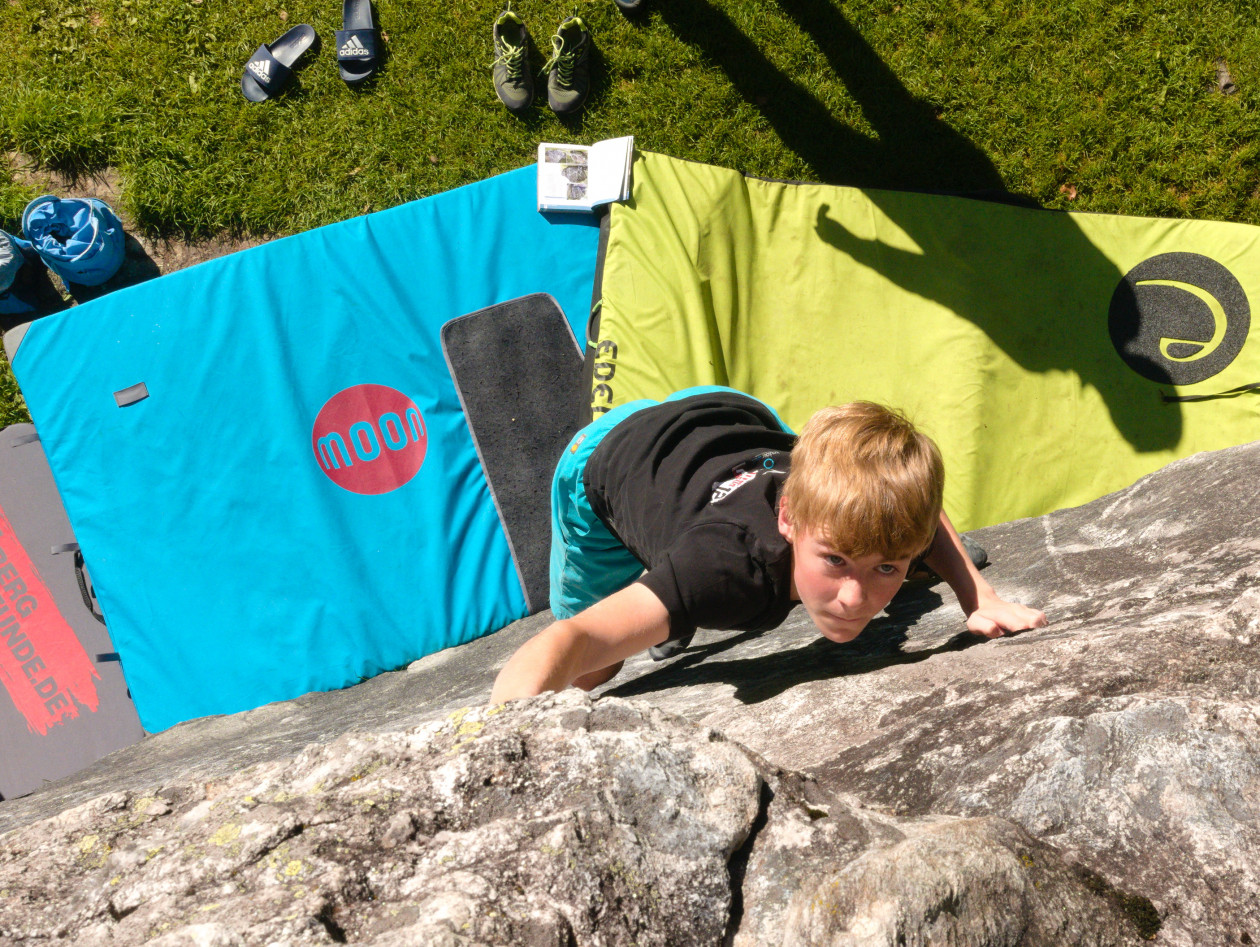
(996, 617)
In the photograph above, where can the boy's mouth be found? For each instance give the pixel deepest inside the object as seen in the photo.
(848, 628)
(845, 619)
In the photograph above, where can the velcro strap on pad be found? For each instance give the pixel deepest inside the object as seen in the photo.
(356, 45)
(268, 71)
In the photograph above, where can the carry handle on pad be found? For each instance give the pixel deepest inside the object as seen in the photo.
(82, 578)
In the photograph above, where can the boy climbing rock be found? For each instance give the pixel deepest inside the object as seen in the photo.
(736, 521)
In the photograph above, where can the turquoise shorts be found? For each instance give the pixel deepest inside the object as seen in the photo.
(588, 563)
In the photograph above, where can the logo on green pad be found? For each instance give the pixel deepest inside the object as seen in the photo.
(1179, 318)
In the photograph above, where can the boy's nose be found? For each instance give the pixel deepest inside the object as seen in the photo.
(851, 594)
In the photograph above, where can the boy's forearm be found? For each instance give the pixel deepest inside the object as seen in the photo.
(547, 662)
(949, 559)
(610, 631)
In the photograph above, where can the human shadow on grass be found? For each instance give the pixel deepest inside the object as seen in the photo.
(914, 150)
(755, 679)
(1047, 259)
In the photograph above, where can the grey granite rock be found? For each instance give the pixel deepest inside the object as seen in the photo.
(1124, 737)
(824, 869)
(549, 822)
(553, 822)
(1127, 733)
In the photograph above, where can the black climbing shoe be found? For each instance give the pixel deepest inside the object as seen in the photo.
(667, 649)
(630, 6)
(920, 574)
(569, 68)
(512, 79)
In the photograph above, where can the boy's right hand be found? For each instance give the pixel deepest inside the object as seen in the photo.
(610, 631)
(996, 617)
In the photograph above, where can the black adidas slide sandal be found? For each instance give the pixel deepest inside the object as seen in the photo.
(271, 67)
(356, 42)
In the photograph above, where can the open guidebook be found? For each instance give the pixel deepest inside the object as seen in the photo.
(581, 177)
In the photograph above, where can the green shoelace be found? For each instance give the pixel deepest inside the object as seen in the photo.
(563, 59)
(512, 57)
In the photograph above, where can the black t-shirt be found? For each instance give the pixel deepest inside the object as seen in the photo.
(691, 488)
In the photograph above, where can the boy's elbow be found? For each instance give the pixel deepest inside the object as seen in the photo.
(567, 643)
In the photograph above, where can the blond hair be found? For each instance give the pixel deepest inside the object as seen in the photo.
(866, 480)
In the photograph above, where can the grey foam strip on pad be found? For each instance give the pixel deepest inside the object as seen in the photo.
(13, 338)
(518, 371)
(62, 711)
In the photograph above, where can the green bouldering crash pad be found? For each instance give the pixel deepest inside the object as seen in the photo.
(1044, 351)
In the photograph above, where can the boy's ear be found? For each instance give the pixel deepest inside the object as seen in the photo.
(786, 529)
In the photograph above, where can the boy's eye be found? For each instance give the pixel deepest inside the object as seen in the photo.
(832, 560)
(888, 568)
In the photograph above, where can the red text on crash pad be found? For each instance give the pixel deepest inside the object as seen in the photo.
(42, 663)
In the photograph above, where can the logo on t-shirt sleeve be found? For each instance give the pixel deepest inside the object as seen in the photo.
(744, 473)
(724, 489)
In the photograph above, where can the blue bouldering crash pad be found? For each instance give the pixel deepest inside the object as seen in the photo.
(264, 456)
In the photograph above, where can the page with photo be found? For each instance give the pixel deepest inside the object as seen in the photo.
(581, 177)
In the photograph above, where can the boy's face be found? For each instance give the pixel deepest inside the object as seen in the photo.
(841, 593)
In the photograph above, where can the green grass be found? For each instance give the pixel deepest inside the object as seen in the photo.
(1114, 102)
(12, 407)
